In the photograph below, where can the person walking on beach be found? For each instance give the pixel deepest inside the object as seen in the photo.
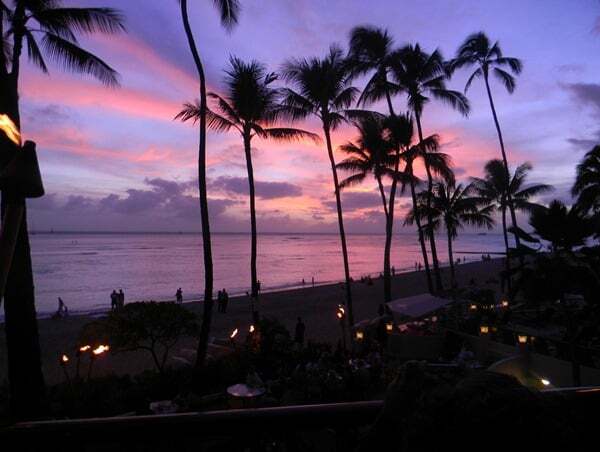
(225, 300)
(121, 298)
(393, 271)
(114, 303)
(299, 335)
(257, 286)
(179, 296)
(219, 301)
(63, 311)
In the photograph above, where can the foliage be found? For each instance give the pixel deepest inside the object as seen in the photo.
(151, 326)
(587, 182)
(564, 228)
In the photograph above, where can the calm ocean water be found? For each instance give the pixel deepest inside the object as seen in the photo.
(84, 268)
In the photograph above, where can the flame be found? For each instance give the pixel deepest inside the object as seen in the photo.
(252, 328)
(10, 129)
(85, 348)
(234, 333)
(64, 359)
(100, 349)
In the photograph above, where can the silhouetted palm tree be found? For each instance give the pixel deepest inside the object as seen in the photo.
(322, 89)
(371, 51)
(421, 76)
(456, 205)
(564, 228)
(31, 23)
(250, 106)
(587, 182)
(477, 50)
(229, 10)
(493, 188)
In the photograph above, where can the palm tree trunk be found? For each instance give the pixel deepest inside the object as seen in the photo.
(208, 265)
(413, 195)
(382, 193)
(389, 231)
(504, 159)
(340, 223)
(430, 233)
(253, 272)
(26, 381)
(506, 259)
(451, 260)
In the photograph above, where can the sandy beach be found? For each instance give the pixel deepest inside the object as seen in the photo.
(315, 305)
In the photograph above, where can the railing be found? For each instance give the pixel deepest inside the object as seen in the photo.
(292, 428)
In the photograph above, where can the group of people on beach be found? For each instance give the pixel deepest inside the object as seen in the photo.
(222, 301)
(117, 299)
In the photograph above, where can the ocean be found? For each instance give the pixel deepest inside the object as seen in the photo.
(84, 268)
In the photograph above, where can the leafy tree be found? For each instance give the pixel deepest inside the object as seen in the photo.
(321, 88)
(150, 326)
(229, 10)
(587, 182)
(251, 107)
(47, 29)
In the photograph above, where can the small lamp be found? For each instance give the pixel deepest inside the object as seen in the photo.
(484, 329)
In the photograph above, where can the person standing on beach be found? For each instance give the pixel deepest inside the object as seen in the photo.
(299, 335)
(114, 304)
(63, 311)
(121, 298)
(225, 300)
(179, 296)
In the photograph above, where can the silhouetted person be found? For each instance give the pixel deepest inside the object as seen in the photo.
(121, 298)
(114, 300)
(179, 295)
(393, 271)
(225, 296)
(313, 281)
(258, 286)
(63, 311)
(219, 301)
(300, 330)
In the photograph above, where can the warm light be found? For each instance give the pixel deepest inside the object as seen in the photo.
(360, 335)
(100, 349)
(85, 348)
(339, 315)
(484, 329)
(234, 333)
(252, 328)
(473, 307)
(504, 303)
(434, 319)
(64, 359)
(10, 129)
(522, 339)
(545, 382)
(389, 327)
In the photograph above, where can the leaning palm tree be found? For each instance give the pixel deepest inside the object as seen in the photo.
(375, 152)
(456, 206)
(371, 50)
(422, 76)
(251, 107)
(229, 10)
(493, 187)
(477, 50)
(48, 30)
(587, 182)
(322, 89)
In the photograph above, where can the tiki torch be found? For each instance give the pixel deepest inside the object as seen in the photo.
(20, 179)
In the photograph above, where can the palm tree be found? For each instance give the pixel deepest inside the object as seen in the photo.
(33, 23)
(251, 107)
(323, 90)
(493, 188)
(375, 152)
(477, 50)
(421, 76)
(564, 228)
(587, 182)
(229, 10)
(371, 50)
(456, 206)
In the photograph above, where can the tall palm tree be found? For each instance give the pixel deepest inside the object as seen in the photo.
(375, 152)
(229, 10)
(456, 206)
(478, 51)
(421, 76)
(251, 107)
(48, 30)
(587, 182)
(493, 188)
(322, 89)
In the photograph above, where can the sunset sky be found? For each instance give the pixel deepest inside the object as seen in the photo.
(114, 159)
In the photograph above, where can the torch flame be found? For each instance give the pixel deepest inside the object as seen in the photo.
(252, 328)
(234, 333)
(85, 348)
(10, 129)
(64, 358)
(100, 349)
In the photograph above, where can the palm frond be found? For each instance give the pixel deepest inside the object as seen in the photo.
(289, 134)
(64, 21)
(455, 99)
(229, 11)
(33, 52)
(507, 80)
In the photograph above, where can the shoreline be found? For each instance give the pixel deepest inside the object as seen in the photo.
(316, 306)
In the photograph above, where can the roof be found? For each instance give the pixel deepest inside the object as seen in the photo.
(417, 305)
